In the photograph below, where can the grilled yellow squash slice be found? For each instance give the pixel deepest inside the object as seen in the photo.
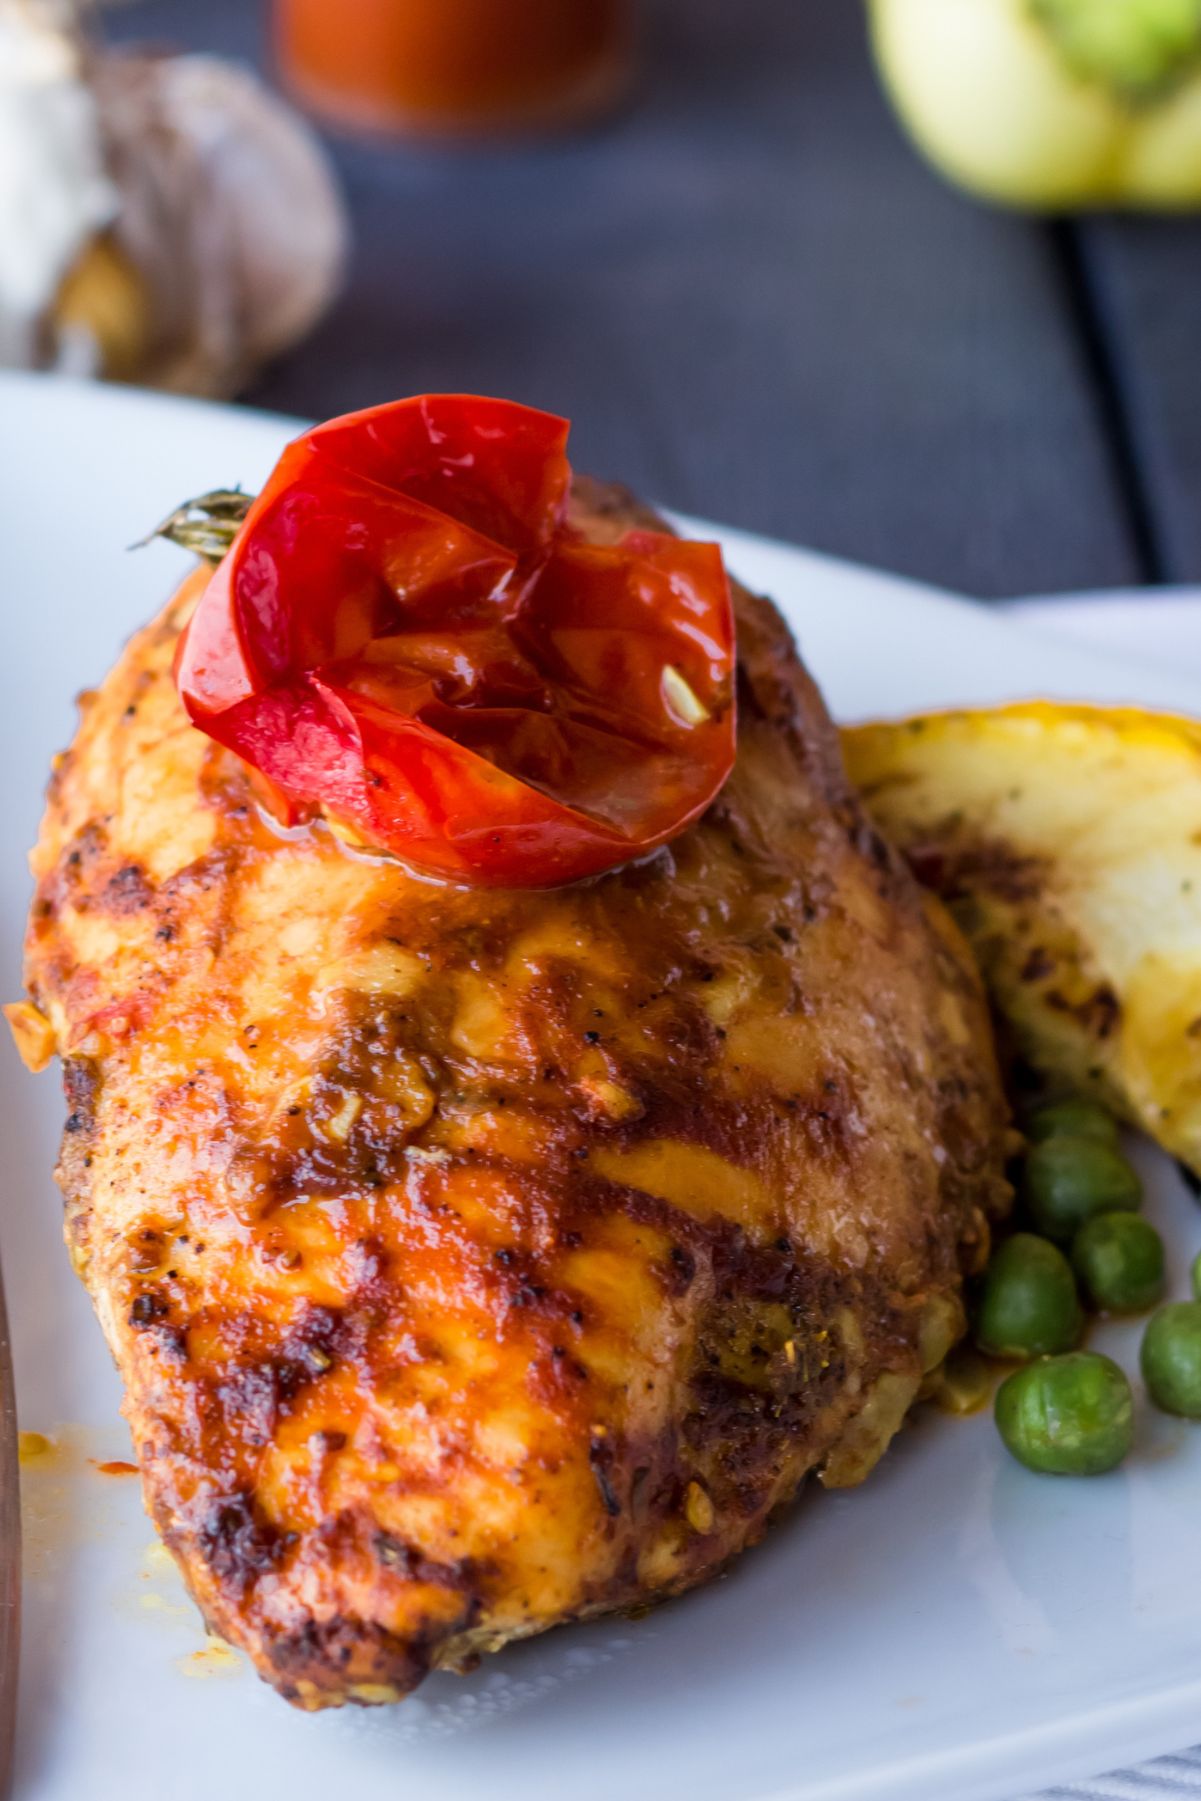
(1067, 840)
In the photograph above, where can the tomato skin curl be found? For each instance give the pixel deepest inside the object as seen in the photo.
(408, 637)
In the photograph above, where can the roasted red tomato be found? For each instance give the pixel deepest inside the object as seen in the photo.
(407, 637)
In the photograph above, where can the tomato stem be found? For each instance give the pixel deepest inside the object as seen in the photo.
(206, 526)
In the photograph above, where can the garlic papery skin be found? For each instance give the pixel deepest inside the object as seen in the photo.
(55, 193)
(230, 215)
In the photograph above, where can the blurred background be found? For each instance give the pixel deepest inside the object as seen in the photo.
(700, 230)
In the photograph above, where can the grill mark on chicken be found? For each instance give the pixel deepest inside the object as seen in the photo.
(237, 1544)
(479, 1261)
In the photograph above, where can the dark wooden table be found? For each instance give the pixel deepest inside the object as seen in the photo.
(756, 304)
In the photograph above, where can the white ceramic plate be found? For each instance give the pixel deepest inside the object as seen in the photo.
(1161, 625)
(956, 1630)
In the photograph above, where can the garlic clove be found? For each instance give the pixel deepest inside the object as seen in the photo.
(102, 316)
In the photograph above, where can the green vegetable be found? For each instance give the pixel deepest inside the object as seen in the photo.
(1136, 48)
(1119, 1260)
(1171, 1358)
(1067, 1416)
(1072, 1119)
(1028, 1302)
(1067, 1180)
(1051, 104)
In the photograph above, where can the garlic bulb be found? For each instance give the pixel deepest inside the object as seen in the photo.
(201, 229)
(228, 211)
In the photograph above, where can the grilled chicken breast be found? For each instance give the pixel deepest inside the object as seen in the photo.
(479, 1260)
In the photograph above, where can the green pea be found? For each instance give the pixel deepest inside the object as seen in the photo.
(1028, 1302)
(1067, 1180)
(1119, 1260)
(1171, 1358)
(1196, 1275)
(1067, 1416)
(1073, 1119)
